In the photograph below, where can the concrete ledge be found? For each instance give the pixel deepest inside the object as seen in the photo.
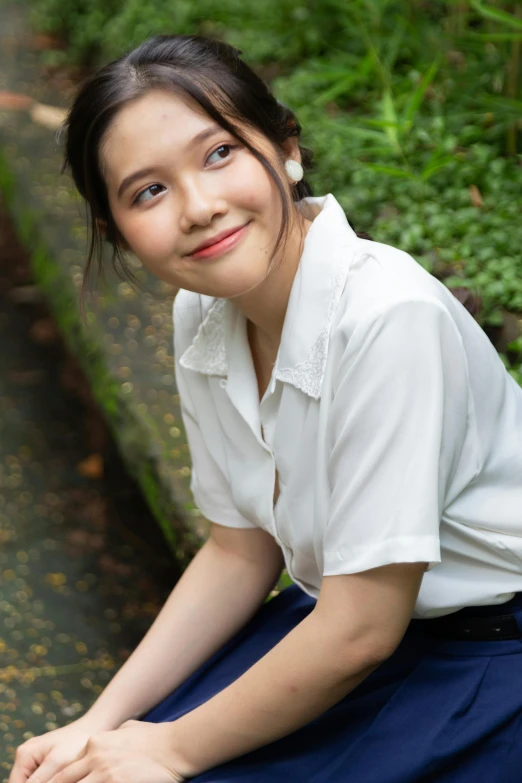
(126, 351)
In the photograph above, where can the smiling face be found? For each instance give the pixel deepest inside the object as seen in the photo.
(176, 181)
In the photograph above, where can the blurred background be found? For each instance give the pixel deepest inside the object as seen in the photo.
(414, 112)
(413, 108)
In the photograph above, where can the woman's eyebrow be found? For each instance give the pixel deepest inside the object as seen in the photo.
(205, 134)
(128, 181)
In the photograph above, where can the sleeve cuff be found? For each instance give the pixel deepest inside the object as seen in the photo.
(408, 549)
(228, 517)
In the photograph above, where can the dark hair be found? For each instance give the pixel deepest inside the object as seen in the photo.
(210, 72)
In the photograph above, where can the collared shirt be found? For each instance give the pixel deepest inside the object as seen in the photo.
(394, 427)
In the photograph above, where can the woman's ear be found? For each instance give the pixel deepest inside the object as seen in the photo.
(102, 228)
(101, 225)
(291, 149)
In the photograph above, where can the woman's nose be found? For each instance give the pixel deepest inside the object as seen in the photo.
(200, 206)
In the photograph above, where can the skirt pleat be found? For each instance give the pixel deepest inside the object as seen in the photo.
(435, 712)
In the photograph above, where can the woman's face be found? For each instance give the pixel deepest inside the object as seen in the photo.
(177, 181)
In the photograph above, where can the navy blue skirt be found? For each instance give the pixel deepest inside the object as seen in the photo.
(436, 712)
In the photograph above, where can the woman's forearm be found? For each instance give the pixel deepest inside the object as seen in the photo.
(215, 597)
(309, 671)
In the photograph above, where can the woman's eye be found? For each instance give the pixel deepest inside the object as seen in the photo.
(220, 154)
(148, 193)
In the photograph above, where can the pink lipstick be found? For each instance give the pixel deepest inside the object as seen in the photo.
(220, 244)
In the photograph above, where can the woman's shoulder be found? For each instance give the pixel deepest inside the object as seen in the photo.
(383, 279)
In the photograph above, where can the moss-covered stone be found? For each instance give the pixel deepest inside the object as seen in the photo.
(126, 349)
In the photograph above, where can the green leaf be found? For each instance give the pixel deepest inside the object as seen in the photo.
(394, 45)
(345, 81)
(492, 37)
(389, 116)
(435, 166)
(392, 171)
(496, 14)
(509, 106)
(515, 345)
(358, 132)
(417, 97)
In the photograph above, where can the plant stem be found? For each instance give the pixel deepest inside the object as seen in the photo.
(512, 86)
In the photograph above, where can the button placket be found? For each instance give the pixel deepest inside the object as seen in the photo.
(267, 407)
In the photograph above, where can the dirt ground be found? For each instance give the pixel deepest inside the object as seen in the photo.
(84, 568)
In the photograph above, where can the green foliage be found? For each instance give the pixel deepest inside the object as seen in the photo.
(413, 109)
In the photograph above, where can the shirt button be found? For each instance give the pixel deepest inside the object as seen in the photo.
(223, 383)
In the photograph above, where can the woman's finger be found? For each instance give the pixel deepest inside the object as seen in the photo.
(72, 773)
(50, 767)
(92, 777)
(26, 763)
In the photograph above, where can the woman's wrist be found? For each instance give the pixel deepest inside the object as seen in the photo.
(100, 719)
(180, 764)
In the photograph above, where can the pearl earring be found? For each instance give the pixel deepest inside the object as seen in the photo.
(294, 170)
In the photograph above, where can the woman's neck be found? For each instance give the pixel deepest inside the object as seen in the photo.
(265, 306)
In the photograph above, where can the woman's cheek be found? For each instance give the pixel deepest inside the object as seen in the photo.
(251, 186)
(150, 234)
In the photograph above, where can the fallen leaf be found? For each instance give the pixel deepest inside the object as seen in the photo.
(6, 535)
(56, 580)
(456, 58)
(109, 565)
(49, 116)
(92, 467)
(43, 41)
(26, 294)
(14, 100)
(95, 512)
(44, 331)
(476, 196)
(85, 541)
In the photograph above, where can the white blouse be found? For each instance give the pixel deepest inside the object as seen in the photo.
(395, 429)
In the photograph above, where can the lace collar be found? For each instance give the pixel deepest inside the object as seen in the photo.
(314, 297)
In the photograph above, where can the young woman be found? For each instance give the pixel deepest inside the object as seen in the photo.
(346, 417)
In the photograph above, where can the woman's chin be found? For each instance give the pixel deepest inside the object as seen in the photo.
(232, 284)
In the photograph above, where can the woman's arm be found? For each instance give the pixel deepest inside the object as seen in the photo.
(357, 623)
(218, 593)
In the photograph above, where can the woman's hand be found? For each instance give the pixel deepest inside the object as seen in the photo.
(137, 752)
(38, 759)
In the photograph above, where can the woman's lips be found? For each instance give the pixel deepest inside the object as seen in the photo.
(223, 245)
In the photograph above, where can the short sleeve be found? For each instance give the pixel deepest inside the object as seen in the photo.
(209, 486)
(397, 426)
